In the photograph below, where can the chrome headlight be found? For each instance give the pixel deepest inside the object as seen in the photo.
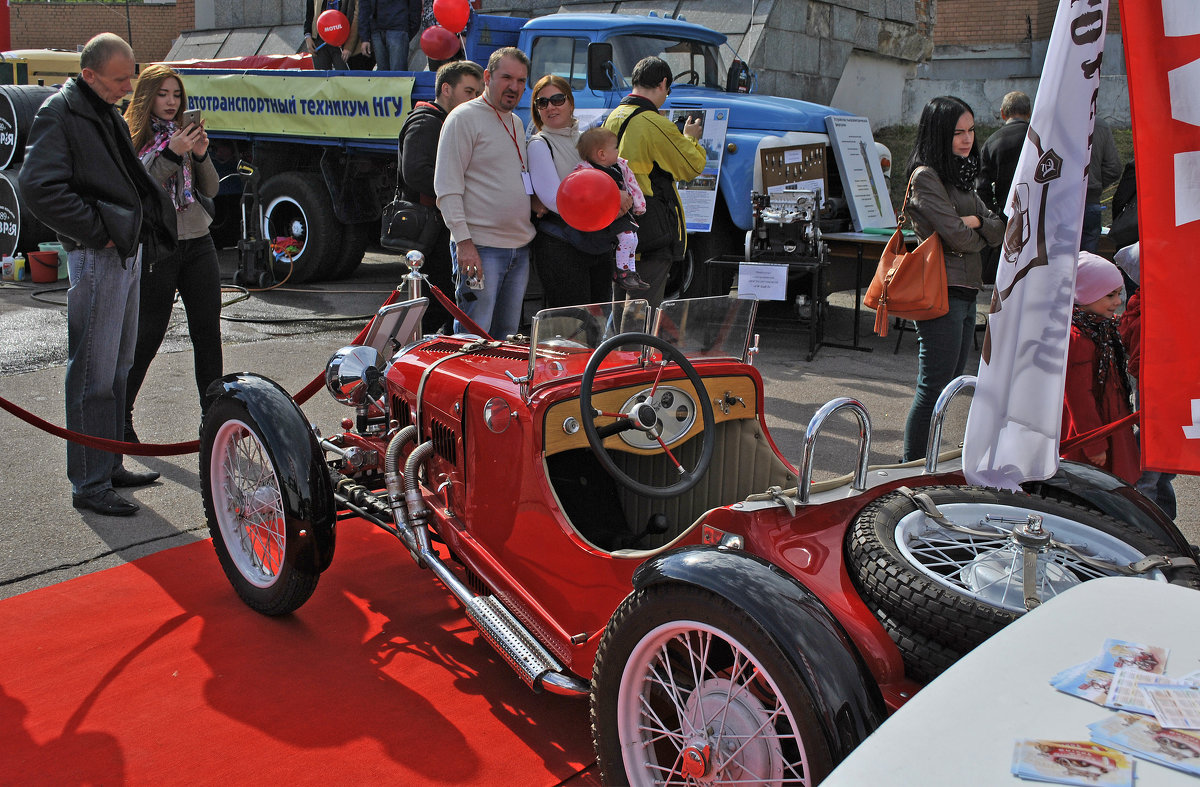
(355, 373)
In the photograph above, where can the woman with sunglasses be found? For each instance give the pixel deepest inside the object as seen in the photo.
(574, 267)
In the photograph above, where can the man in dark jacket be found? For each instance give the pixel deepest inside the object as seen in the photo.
(455, 83)
(82, 178)
(998, 162)
(386, 27)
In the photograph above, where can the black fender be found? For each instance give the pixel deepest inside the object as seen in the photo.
(304, 476)
(1094, 488)
(849, 702)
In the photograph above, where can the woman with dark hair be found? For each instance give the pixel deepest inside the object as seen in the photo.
(177, 159)
(942, 199)
(574, 267)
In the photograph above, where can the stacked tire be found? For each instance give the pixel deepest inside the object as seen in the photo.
(19, 230)
(939, 593)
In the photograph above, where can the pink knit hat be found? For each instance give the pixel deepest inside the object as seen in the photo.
(1095, 277)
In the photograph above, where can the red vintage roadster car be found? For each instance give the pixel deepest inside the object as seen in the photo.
(604, 499)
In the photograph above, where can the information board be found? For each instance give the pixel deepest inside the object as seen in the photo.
(860, 170)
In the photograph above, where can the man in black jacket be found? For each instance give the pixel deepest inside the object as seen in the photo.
(456, 82)
(82, 178)
(998, 162)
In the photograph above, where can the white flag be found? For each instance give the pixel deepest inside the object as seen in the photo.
(1016, 414)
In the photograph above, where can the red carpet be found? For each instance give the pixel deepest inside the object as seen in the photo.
(155, 673)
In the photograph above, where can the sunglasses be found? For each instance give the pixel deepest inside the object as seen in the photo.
(558, 99)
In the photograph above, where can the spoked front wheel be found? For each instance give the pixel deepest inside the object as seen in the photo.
(688, 689)
(252, 530)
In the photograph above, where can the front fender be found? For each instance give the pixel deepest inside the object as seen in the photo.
(1092, 487)
(304, 479)
(848, 700)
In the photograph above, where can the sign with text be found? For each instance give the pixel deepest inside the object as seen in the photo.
(862, 175)
(366, 108)
(699, 195)
(762, 281)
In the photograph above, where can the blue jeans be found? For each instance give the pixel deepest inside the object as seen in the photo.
(1090, 240)
(497, 307)
(945, 345)
(102, 321)
(390, 48)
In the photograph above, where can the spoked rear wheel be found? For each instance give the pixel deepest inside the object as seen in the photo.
(689, 690)
(252, 530)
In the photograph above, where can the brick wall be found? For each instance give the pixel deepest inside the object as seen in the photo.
(70, 25)
(969, 22)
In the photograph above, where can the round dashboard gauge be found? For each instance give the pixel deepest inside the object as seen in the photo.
(676, 411)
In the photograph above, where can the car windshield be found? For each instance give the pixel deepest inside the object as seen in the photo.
(702, 328)
(692, 62)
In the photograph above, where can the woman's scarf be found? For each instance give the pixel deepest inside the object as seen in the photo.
(966, 169)
(1110, 353)
(180, 189)
(562, 147)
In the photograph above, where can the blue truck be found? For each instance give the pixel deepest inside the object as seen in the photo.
(324, 143)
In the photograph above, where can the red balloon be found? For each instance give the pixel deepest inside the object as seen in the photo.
(439, 43)
(452, 14)
(333, 27)
(588, 200)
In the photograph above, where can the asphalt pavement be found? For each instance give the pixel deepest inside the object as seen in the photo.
(288, 335)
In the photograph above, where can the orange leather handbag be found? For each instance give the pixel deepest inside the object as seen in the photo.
(910, 285)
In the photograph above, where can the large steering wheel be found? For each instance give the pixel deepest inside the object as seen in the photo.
(643, 416)
(693, 74)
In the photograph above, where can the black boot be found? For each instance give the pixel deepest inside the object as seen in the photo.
(130, 435)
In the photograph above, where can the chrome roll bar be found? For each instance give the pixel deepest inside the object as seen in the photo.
(952, 389)
(810, 437)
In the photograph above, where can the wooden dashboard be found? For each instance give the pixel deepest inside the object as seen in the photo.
(557, 436)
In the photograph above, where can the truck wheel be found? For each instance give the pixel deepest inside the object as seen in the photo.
(355, 239)
(687, 684)
(961, 588)
(296, 205)
(253, 531)
(724, 238)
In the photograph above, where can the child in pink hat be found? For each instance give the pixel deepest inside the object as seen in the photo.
(1097, 390)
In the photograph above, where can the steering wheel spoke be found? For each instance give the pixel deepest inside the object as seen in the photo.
(645, 418)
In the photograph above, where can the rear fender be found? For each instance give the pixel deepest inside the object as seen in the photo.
(848, 700)
(304, 478)
(1093, 488)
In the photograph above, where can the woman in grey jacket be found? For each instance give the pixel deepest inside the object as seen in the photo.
(942, 199)
(177, 159)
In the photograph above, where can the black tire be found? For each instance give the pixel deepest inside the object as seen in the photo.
(954, 588)
(924, 657)
(661, 628)
(723, 239)
(297, 205)
(355, 239)
(254, 532)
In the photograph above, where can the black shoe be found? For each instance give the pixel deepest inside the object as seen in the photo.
(107, 503)
(125, 477)
(630, 281)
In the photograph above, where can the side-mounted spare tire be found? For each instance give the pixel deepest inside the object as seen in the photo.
(953, 589)
(268, 496)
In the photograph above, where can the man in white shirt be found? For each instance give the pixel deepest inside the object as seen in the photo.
(483, 191)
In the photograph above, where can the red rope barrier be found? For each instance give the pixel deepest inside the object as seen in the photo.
(163, 449)
(459, 314)
(1096, 434)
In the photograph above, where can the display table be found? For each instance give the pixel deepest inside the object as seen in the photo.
(961, 728)
(858, 243)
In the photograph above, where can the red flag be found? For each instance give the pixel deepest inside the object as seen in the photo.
(1162, 45)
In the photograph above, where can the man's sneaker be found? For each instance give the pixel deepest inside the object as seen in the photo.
(630, 281)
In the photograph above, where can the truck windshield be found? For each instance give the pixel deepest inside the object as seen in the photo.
(692, 62)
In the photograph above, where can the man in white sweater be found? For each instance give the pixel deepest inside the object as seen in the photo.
(483, 191)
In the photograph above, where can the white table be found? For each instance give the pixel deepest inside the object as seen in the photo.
(960, 729)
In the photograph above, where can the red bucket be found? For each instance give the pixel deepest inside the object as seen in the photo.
(43, 266)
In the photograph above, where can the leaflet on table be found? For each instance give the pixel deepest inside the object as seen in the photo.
(1144, 737)
(1071, 762)
(1093, 679)
(1175, 705)
(1118, 653)
(699, 195)
(1125, 692)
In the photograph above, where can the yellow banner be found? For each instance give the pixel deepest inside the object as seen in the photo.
(349, 107)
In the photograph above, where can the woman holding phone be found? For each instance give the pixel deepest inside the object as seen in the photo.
(173, 147)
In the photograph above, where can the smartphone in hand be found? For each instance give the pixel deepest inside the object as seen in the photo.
(191, 117)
